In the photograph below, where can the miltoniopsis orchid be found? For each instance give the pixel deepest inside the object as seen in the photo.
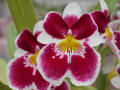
(22, 70)
(104, 24)
(69, 52)
(116, 80)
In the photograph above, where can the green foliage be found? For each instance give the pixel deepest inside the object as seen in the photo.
(23, 14)
(4, 87)
(11, 35)
(101, 81)
(84, 88)
(3, 66)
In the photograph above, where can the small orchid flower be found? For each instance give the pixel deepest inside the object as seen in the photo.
(69, 52)
(22, 70)
(105, 28)
(116, 80)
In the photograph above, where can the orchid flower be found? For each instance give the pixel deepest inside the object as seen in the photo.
(103, 22)
(69, 52)
(116, 80)
(22, 70)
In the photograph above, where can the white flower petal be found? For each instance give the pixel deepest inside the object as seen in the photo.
(103, 5)
(38, 27)
(72, 9)
(116, 81)
(96, 39)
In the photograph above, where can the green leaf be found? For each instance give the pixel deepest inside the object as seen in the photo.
(84, 88)
(23, 14)
(3, 66)
(101, 83)
(4, 87)
(11, 35)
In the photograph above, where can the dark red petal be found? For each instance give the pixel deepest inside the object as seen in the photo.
(21, 77)
(101, 19)
(26, 41)
(70, 20)
(84, 27)
(117, 39)
(55, 25)
(85, 70)
(40, 83)
(118, 69)
(51, 64)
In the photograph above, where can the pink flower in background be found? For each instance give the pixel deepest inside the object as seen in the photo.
(116, 80)
(105, 28)
(22, 71)
(69, 52)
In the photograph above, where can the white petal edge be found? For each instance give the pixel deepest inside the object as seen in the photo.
(38, 27)
(68, 73)
(90, 82)
(103, 5)
(46, 38)
(19, 52)
(95, 39)
(72, 9)
(116, 82)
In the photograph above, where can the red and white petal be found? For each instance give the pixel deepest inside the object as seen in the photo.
(72, 13)
(103, 5)
(101, 19)
(114, 44)
(40, 83)
(95, 39)
(84, 70)
(45, 38)
(63, 86)
(21, 77)
(52, 64)
(80, 30)
(114, 25)
(38, 27)
(55, 26)
(19, 52)
(26, 41)
(116, 82)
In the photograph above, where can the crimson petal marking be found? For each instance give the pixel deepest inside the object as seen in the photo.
(118, 69)
(26, 41)
(84, 27)
(63, 86)
(21, 77)
(117, 39)
(84, 71)
(70, 20)
(41, 84)
(52, 66)
(55, 25)
(101, 19)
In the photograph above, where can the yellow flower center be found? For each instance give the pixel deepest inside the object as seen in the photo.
(108, 33)
(33, 57)
(69, 43)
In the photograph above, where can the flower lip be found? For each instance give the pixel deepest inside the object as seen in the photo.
(108, 33)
